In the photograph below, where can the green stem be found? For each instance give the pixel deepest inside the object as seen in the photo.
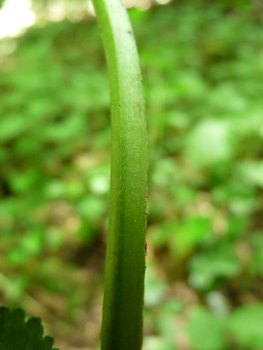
(125, 259)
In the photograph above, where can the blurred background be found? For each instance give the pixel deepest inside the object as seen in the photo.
(202, 64)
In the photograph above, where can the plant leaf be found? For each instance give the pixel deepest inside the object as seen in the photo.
(246, 324)
(16, 334)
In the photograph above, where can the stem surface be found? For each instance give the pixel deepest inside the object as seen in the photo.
(122, 320)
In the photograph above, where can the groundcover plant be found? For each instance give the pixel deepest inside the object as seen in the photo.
(125, 259)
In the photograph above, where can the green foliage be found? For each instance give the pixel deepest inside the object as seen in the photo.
(246, 325)
(48, 138)
(207, 331)
(212, 265)
(15, 333)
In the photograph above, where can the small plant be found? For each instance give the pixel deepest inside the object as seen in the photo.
(16, 334)
(125, 259)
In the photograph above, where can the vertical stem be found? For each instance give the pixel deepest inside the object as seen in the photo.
(125, 259)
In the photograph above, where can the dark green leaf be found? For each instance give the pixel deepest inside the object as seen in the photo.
(16, 334)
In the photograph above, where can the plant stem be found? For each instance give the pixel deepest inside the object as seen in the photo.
(125, 259)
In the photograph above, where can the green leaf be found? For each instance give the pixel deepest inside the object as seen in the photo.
(12, 127)
(251, 172)
(190, 232)
(246, 324)
(206, 268)
(16, 334)
(209, 143)
(206, 331)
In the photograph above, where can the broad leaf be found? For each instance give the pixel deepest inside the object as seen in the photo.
(246, 324)
(16, 333)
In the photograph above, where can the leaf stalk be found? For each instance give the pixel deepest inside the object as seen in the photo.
(122, 321)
